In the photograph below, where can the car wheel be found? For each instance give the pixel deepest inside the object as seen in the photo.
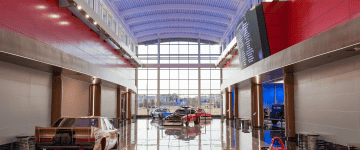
(274, 122)
(103, 144)
(197, 121)
(187, 123)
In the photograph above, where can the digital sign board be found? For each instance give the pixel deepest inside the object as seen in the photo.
(251, 37)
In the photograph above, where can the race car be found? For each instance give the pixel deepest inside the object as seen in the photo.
(196, 117)
(178, 114)
(159, 113)
(90, 132)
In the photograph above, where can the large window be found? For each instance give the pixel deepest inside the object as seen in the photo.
(174, 87)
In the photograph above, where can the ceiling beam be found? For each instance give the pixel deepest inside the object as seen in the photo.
(178, 15)
(179, 35)
(201, 31)
(178, 6)
(178, 23)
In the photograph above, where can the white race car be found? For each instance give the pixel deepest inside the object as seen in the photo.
(90, 132)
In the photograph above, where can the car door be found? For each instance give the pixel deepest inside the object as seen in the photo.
(105, 132)
(113, 133)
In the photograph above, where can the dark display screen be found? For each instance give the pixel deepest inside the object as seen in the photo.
(251, 37)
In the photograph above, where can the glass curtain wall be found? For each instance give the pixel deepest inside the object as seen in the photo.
(178, 86)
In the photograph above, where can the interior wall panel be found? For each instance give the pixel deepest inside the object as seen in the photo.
(244, 102)
(25, 97)
(75, 98)
(108, 102)
(327, 101)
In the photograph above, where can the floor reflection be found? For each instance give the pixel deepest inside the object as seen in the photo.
(148, 134)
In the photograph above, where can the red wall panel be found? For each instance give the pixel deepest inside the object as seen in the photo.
(305, 18)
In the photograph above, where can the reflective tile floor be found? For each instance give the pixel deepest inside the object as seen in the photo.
(148, 134)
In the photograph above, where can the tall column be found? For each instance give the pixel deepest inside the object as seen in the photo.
(236, 101)
(118, 103)
(95, 100)
(221, 97)
(231, 108)
(56, 97)
(257, 105)
(289, 105)
(124, 105)
(199, 88)
(158, 103)
(227, 99)
(128, 106)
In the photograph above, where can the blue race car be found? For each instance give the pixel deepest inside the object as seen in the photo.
(160, 112)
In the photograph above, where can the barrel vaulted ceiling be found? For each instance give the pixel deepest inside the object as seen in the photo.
(152, 19)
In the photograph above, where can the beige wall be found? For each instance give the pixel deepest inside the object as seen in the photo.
(25, 97)
(327, 101)
(244, 97)
(108, 102)
(75, 98)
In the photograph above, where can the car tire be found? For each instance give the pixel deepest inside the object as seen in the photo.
(103, 144)
(274, 122)
(187, 123)
(197, 121)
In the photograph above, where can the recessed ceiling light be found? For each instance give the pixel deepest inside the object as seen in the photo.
(95, 23)
(54, 16)
(87, 16)
(79, 7)
(41, 7)
(64, 23)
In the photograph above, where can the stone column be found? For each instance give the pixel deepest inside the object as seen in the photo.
(56, 97)
(289, 109)
(128, 106)
(227, 99)
(231, 108)
(257, 112)
(95, 100)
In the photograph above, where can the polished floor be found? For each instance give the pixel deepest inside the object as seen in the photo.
(148, 134)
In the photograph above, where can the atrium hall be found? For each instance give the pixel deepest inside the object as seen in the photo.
(180, 74)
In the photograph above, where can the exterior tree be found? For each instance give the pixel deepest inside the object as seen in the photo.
(146, 103)
(152, 102)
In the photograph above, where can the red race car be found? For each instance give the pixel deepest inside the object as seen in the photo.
(199, 115)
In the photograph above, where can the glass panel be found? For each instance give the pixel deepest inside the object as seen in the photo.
(215, 91)
(165, 91)
(205, 74)
(215, 74)
(205, 91)
(193, 84)
(193, 91)
(164, 49)
(142, 84)
(205, 84)
(164, 74)
(204, 61)
(104, 15)
(153, 49)
(152, 92)
(193, 49)
(164, 84)
(184, 74)
(174, 61)
(142, 74)
(173, 92)
(152, 84)
(109, 21)
(193, 74)
(215, 49)
(204, 49)
(174, 49)
(164, 61)
(152, 62)
(215, 84)
(142, 92)
(183, 61)
(174, 74)
(152, 74)
(183, 92)
(174, 84)
(184, 84)
(193, 61)
(183, 49)
(142, 49)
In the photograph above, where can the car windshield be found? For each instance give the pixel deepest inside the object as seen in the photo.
(164, 110)
(183, 112)
(77, 122)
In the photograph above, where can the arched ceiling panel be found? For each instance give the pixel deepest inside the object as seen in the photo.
(207, 26)
(178, 15)
(146, 19)
(163, 7)
(188, 30)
